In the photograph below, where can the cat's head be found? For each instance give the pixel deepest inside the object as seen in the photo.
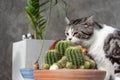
(79, 29)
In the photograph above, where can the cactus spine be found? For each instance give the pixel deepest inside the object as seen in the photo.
(74, 55)
(52, 56)
(62, 45)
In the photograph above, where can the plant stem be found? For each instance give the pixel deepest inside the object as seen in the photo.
(35, 35)
(41, 36)
(44, 35)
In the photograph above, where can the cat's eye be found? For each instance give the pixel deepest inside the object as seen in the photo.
(67, 34)
(75, 33)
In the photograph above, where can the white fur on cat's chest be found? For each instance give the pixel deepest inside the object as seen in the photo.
(98, 39)
(97, 45)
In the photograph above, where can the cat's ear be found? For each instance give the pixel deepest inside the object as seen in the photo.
(67, 20)
(90, 19)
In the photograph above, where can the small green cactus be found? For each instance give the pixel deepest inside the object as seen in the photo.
(87, 64)
(82, 67)
(92, 64)
(69, 65)
(62, 62)
(51, 56)
(74, 55)
(64, 59)
(62, 45)
(45, 66)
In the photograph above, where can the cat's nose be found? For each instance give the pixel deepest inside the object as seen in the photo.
(70, 39)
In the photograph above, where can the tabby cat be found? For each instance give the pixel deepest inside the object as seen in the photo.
(102, 42)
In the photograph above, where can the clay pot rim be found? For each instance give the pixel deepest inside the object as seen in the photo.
(69, 74)
(81, 70)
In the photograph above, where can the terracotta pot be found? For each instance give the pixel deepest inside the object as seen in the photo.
(69, 74)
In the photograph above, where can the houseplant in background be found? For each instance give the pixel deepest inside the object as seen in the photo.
(36, 19)
(38, 22)
(25, 52)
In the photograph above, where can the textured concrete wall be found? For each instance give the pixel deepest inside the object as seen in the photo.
(13, 23)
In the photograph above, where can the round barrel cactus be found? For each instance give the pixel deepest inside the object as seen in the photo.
(51, 56)
(45, 66)
(74, 55)
(69, 65)
(62, 45)
(92, 62)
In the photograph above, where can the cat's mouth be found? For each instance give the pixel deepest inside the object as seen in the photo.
(76, 42)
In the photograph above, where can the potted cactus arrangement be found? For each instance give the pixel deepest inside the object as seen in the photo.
(67, 61)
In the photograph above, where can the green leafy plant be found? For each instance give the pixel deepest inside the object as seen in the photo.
(34, 10)
(38, 22)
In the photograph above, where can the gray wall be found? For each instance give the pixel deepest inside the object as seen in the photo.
(13, 23)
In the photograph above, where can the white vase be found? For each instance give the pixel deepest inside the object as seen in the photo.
(25, 53)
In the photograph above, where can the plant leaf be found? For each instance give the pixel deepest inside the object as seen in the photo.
(29, 2)
(36, 5)
(40, 20)
(32, 26)
(43, 10)
(42, 23)
(42, 28)
(44, 3)
(30, 18)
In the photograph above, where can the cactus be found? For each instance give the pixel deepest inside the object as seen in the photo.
(82, 67)
(62, 62)
(52, 56)
(69, 65)
(74, 55)
(62, 45)
(92, 64)
(44, 66)
(87, 64)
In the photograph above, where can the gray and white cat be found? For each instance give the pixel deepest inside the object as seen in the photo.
(102, 42)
